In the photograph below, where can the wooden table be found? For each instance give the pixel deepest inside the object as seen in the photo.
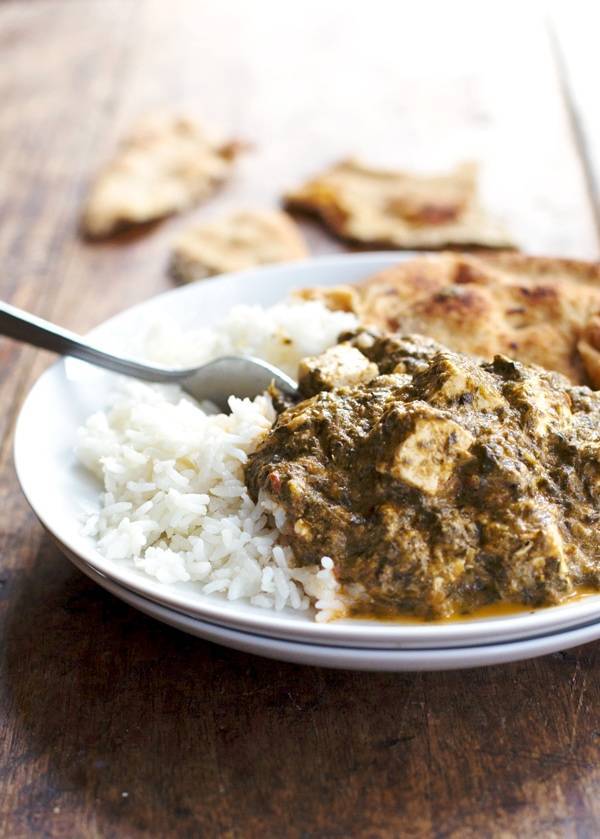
(114, 725)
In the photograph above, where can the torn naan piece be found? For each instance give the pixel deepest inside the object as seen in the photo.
(399, 209)
(537, 310)
(165, 165)
(241, 240)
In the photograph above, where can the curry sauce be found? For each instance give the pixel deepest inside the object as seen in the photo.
(438, 484)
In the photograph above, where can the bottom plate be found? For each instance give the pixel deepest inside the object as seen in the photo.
(343, 657)
(58, 488)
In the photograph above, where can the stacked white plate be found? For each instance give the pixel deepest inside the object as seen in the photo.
(57, 488)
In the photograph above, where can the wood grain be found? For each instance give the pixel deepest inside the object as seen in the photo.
(113, 725)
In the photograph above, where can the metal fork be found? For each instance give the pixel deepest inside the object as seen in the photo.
(242, 376)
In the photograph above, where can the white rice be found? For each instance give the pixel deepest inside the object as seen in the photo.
(174, 502)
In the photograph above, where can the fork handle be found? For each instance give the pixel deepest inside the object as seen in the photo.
(29, 329)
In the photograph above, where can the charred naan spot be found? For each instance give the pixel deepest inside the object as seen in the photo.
(539, 292)
(435, 214)
(465, 273)
(455, 301)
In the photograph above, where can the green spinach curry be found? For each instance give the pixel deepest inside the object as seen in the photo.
(436, 482)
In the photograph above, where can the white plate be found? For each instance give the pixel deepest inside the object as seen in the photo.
(348, 658)
(56, 486)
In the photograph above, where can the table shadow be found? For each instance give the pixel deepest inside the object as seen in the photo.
(142, 729)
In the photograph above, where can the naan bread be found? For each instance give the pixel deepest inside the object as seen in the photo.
(538, 310)
(243, 239)
(165, 165)
(401, 210)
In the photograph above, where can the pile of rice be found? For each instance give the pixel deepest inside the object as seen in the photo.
(174, 502)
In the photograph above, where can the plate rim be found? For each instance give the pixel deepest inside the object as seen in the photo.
(352, 658)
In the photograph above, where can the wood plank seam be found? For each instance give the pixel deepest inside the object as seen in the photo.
(576, 123)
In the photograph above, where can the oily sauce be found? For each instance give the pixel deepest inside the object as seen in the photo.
(491, 610)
